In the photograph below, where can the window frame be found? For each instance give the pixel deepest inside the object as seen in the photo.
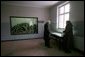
(58, 13)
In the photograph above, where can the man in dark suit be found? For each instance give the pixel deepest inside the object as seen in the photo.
(46, 35)
(68, 37)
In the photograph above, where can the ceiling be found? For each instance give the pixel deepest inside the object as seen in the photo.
(41, 4)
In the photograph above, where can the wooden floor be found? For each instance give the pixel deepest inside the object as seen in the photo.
(34, 47)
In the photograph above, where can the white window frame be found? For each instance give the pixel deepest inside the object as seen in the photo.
(63, 4)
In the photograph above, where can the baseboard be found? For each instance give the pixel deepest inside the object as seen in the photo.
(78, 50)
(21, 39)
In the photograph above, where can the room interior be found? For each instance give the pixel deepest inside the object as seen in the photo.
(32, 44)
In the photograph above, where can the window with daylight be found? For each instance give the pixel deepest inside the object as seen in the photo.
(63, 14)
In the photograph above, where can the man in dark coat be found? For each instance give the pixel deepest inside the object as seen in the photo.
(68, 37)
(46, 35)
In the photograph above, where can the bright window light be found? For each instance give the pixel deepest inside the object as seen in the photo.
(63, 14)
(61, 10)
(61, 21)
(67, 7)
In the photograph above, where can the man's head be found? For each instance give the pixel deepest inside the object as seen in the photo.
(68, 22)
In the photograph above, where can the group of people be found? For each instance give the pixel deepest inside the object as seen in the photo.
(67, 38)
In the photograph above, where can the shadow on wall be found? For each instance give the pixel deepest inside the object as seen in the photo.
(79, 28)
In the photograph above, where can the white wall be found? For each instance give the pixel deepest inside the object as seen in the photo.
(77, 19)
(10, 10)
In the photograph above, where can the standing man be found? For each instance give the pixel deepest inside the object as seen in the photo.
(68, 37)
(46, 35)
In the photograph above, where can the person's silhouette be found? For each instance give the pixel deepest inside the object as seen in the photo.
(46, 35)
(68, 37)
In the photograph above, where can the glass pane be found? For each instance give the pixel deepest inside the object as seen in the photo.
(61, 9)
(67, 7)
(61, 21)
(66, 18)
